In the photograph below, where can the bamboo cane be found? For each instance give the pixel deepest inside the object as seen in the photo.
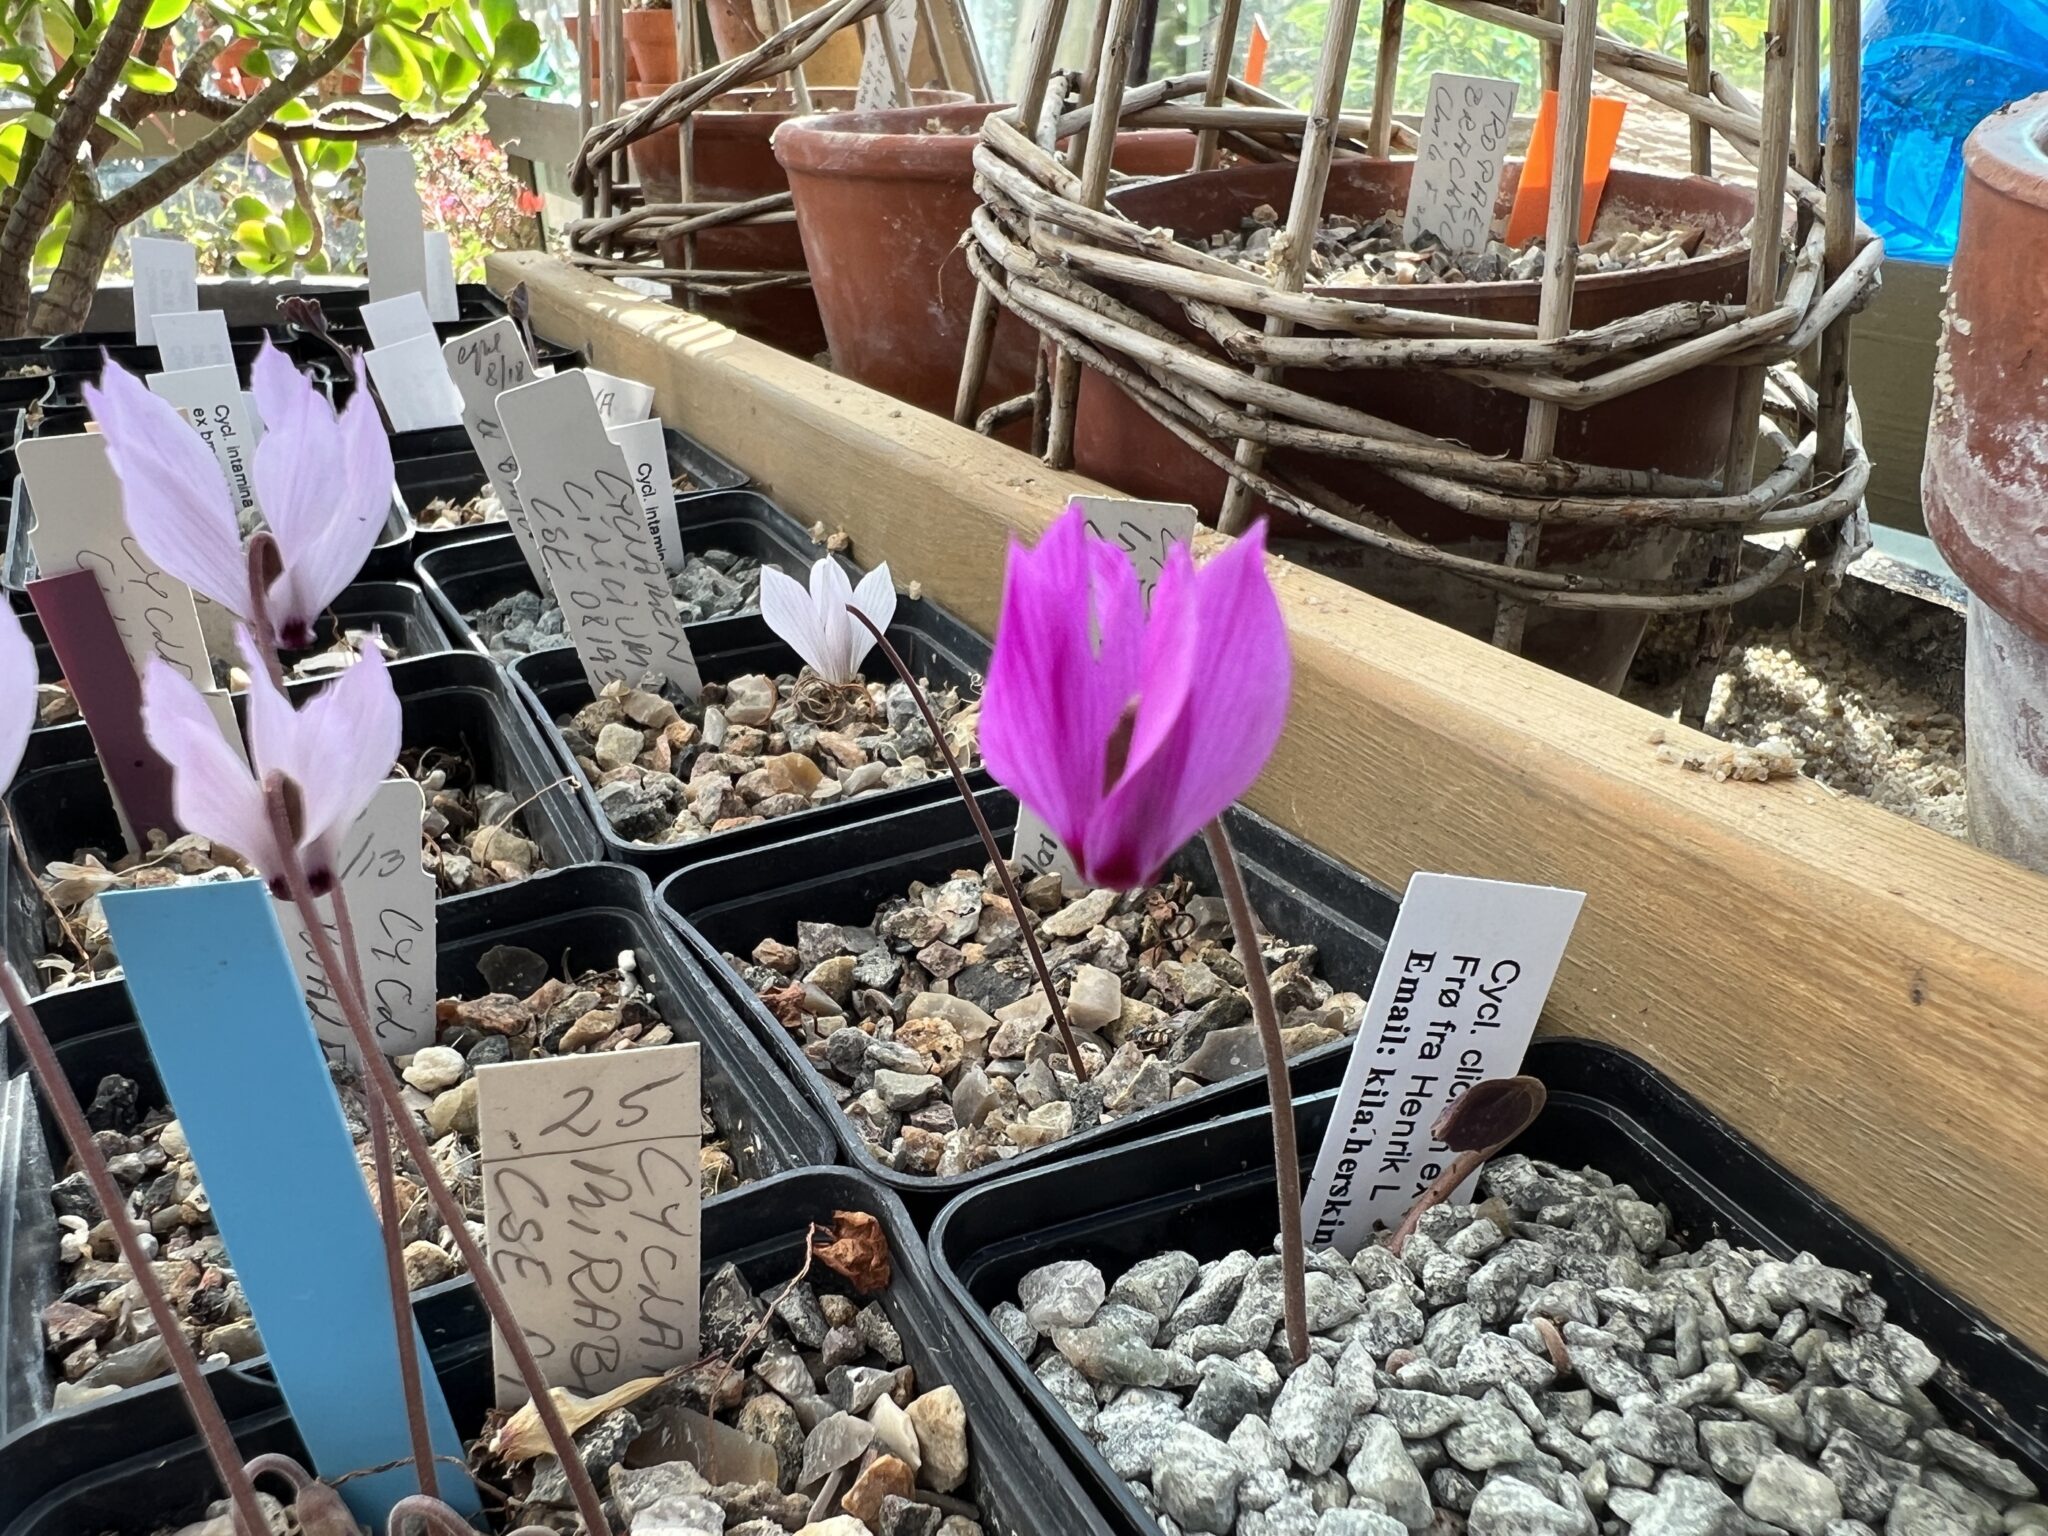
(1699, 78)
(1386, 75)
(1222, 54)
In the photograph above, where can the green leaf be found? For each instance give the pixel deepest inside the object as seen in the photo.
(38, 123)
(163, 12)
(51, 246)
(518, 46)
(297, 227)
(248, 207)
(249, 233)
(456, 74)
(500, 14)
(393, 66)
(120, 131)
(329, 156)
(278, 238)
(148, 78)
(294, 111)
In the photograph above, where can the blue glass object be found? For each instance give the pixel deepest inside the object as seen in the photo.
(1933, 70)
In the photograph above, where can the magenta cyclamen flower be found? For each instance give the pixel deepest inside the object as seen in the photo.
(322, 480)
(333, 753)
(1126, 745)
(17, 691)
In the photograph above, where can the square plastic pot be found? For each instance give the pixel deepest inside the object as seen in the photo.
(1209, 1189)
(580, 918)
(131, 1464)
(465, 575)
(459, 475)
(841, 874)
(937, 647)
(61, 803)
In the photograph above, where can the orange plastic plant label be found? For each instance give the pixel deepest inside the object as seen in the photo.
(1531, 212)
(1255, 53)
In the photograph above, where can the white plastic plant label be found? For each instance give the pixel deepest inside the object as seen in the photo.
(444, 301)
(1147, 532)
(213, 405)
(166, 281)
(398, 318)
(197, 339)
(485, 363)
(621, 402)
(393, 225)
(391, 907)
(1467, 968)
(413, 382)
(590, 529)
(876, 86)
(645, 444)
(1463, 145)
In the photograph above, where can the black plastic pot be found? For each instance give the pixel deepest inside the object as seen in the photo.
(937, 647)
(840, 875)
(1208, 1189)
(398, 609)
(133, 1466)
(580, 919)
(458, 475)
(466, 574)
(60, 801)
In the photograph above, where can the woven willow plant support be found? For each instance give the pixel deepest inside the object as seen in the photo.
(619, 240)
(1046, 246)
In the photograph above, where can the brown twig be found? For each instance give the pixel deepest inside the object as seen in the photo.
(36, 882)
(213, 1428)
(767, 1316)
(1279, 1089)
(988, 842)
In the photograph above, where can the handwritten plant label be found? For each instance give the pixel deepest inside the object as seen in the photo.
(591, 1211)
(1464, 144)
(393, 225)
(645, 444)
(619, 401)
(213, 405)
(413, 382)
(485, 363)
(166, 281)
(877, 84)
(391, 903)
(1467, 968)
(1147, 532)
(195, 340)
(590, 530)
(444, 301)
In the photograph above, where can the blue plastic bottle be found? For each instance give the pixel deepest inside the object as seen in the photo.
(1932, 70)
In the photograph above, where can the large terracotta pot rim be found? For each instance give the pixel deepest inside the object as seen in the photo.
(1640, 186)
(2008, 151)
(638, 95)
(829, 143)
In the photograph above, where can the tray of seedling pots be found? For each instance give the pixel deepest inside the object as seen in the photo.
(881, 964)
(826, 1342)
(571, 962)
(394, 615)
(767, 750)
(1640, 1322)
(451, 499)
(487, 598)
(496, 807)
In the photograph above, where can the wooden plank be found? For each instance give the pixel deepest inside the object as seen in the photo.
(1866, 999)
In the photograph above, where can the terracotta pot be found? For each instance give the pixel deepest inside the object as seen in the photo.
(1680, 426)
(227, 69)
(1986, 474)
(651, 44)
(739, 26)
(882, 203)
(734, 163)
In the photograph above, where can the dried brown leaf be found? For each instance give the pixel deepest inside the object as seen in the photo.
(1490, 1114)
(522, 1436)
(859, 1250)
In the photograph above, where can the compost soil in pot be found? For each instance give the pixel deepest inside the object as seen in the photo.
(883, 198)
(1679, 426)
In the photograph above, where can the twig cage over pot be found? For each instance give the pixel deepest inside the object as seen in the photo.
(1287, 395)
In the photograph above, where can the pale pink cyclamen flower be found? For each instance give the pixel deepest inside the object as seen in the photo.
(323, 482)
(332, 754)
(17, 691)
(1128, 743)
(815, 623)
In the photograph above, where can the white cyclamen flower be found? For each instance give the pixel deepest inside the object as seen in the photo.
(816, 625)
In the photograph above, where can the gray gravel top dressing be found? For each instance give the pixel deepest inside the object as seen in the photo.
(1545, 1363)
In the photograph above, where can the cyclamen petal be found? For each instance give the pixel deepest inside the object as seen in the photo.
(17, 691)
(348, 740)
(325, 521)
(831, 592)
(172, 494)
(212, 790)
(814, 622)
(787, 609)
(875, 597)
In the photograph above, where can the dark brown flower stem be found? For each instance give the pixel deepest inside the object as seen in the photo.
(988, 842)
(384, 1081)
(1441, 1188)
(213, 1428)
(391, 1217)
(1286, 1157)
(265, 565)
